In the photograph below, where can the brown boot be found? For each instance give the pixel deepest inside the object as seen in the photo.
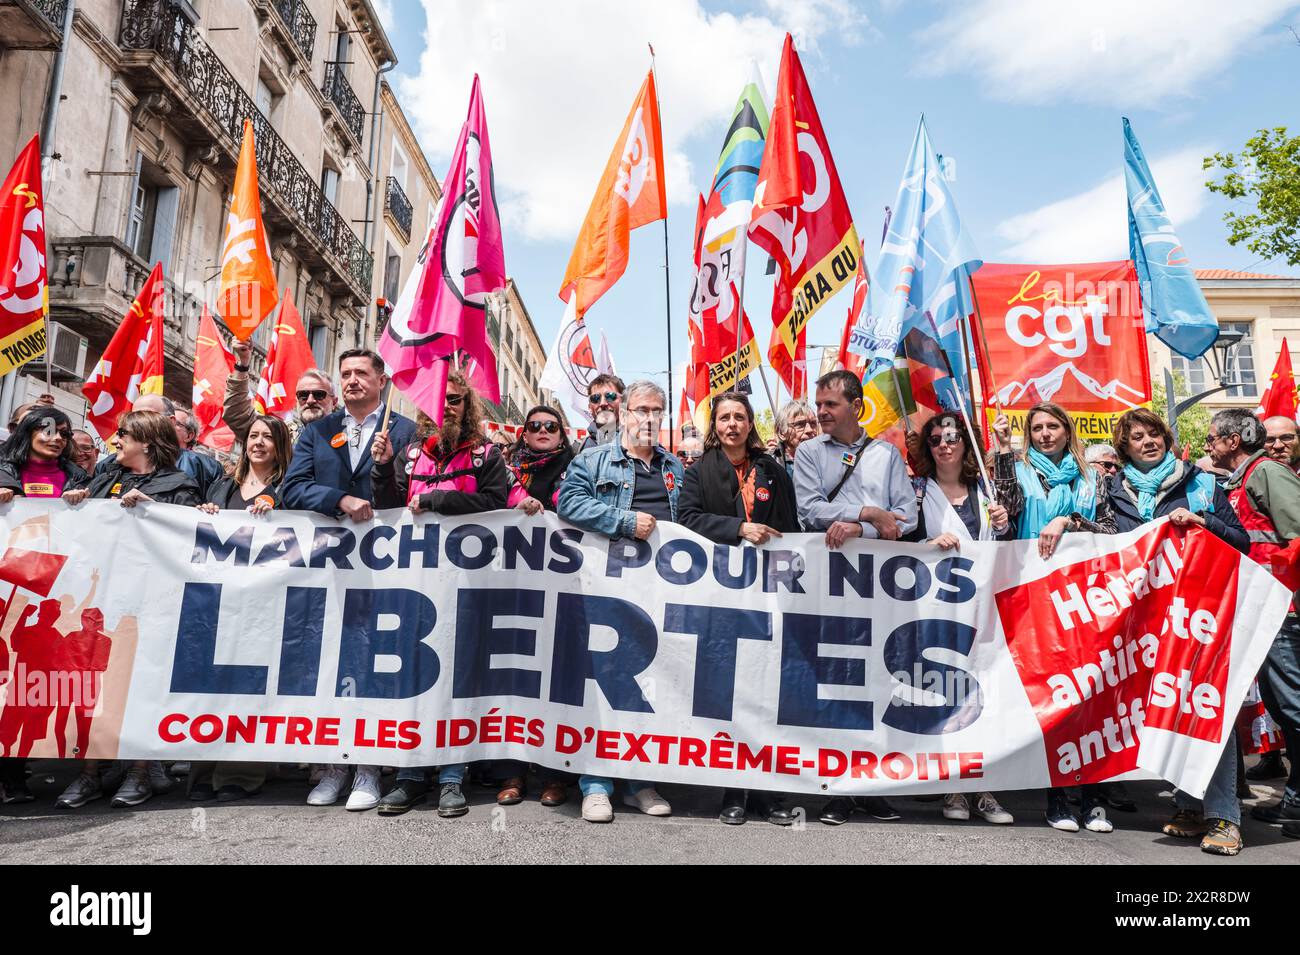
(511, 792)
(555, 793)
(1223, 839)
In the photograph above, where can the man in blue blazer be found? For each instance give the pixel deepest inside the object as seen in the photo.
(330, 472)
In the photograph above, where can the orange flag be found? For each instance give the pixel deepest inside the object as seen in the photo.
(248, 291)
(132, 364)
(630, 195)
(212, 363)
(1280, 396)
(287, 357)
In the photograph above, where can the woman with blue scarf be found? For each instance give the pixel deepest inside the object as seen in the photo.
(1054, 491)
(1152, 484)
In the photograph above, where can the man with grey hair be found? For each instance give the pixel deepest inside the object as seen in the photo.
(622, 490)
(1266, 496)
(1103, 458)
(314, 394)
(203, 469)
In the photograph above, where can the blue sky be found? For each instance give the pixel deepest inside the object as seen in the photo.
(1025, 96)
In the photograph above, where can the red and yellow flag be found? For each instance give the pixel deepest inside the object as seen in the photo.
(132, 364)
(248, 291)
(24, 295)
(1280, 396)
(630, 195)
(287, 357)
(212, 364)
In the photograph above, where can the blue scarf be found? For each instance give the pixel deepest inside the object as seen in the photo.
(1148, 484)
(1070, 492)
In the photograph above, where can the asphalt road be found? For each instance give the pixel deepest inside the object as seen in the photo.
(277, 827)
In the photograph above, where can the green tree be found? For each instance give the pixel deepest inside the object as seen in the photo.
(1193, 424)
(763, 421)
(1266, 173)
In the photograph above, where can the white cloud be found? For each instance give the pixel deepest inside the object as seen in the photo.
(1105, 51)
(559, 77)
(1092, 226)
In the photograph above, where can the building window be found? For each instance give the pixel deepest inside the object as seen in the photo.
(329, 184)
(1241, 367)
(152, 223)
(392, 273)
(398, 167)
(319, 336)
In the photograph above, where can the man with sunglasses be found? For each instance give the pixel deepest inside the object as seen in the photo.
(604, 404)
(1102, 458)
(314, 394)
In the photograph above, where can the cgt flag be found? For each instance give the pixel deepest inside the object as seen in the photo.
(132, 364)
(1280, 396)
(800, 216)
(287, 356)
(213, 363)
(24, 295)
(248, 291)
(442, 311)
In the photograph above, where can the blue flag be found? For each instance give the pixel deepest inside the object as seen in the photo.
(1173, 305)
(922, 280)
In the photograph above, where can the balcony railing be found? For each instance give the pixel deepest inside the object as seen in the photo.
(52, 10)
(339, 91)
(398, 205)
(301, 24)
(160, 26)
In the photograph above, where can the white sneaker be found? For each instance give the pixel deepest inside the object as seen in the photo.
(365, 789)
(330, 787)
(991, 810)
(955, 806)
(648, 801)
(85, 788)
(596, 808)
(1097, 821)
(135, 789)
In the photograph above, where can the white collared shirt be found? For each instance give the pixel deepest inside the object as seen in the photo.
(357, 448)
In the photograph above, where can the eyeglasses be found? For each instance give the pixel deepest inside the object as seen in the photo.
(938, 439)
(646, 414)
(689, 455)
(550, 427)
(609, 396)
(454, 401)
(1284, 438)
(313, 394)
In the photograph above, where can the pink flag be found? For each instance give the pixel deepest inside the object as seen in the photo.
(440, 315)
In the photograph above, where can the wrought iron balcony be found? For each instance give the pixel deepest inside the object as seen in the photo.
(197, 76)
(339, 91)
(398, 206)
(301, 24)
(32, 24)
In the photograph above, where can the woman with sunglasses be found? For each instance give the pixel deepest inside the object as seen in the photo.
(449, 470)
(35, 461)
(1049, 493)
(538, 461)
(738, 492)
(954, 508)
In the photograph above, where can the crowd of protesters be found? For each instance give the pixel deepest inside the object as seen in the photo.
(341, 456)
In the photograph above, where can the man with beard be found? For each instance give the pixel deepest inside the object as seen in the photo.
(455, 470)
(1280, 442)
(314, 394)
(605, 402)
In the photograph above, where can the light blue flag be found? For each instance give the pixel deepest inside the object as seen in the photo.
(1173, 305)
(922, 279)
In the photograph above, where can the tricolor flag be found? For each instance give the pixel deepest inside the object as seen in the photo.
(132, 364)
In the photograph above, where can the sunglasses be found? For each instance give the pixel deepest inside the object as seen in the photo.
(609, 396)
(550, 427)
(122, 433)
(1108, 465)
(313, 394)
(455, 400)
(689, 455)
(938, 439)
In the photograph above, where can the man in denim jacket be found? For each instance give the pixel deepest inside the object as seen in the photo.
(624, 489)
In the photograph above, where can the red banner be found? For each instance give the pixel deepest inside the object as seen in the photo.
(1071, 334)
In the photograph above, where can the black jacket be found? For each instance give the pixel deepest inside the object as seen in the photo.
(390, 483)
(1222, 522)
(711, 504)
(225, 488)
(546, 481)
(11, 476)
(201, 468)
(166, 485)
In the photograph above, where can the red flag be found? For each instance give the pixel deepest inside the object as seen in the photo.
(23, 289)
(846, 359)
(32, 570)
(247, 277)
(1280, 396)
(793, 371)
(132, 364)
(287, 357)
(213, 362)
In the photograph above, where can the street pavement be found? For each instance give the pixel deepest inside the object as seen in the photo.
(277, 827)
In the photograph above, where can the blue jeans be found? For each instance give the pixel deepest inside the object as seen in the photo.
(1279, 687)
(446, 774)
(599, 784)
(1220, 800)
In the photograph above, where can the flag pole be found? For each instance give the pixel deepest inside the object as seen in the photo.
(668, 296)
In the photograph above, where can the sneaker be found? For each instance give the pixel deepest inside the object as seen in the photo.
(1186, 824)
(451, 801)
(1059, 815)
(1275, 812)
(648, 801)
(596, 808)
(330, 787)
(403, 797)
(877, 808)
(1270, 766)
(991, 810)
(1223, 839)
(159, 781)
(17, 793)
(1097, 821)
(135, 789)
(365, 789)
(85, 788)
(955, 806)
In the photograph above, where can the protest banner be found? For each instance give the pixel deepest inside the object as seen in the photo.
(1071, 334)
(168, 633)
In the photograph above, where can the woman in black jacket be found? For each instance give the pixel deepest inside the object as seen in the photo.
(737, 491)
(537, 461)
